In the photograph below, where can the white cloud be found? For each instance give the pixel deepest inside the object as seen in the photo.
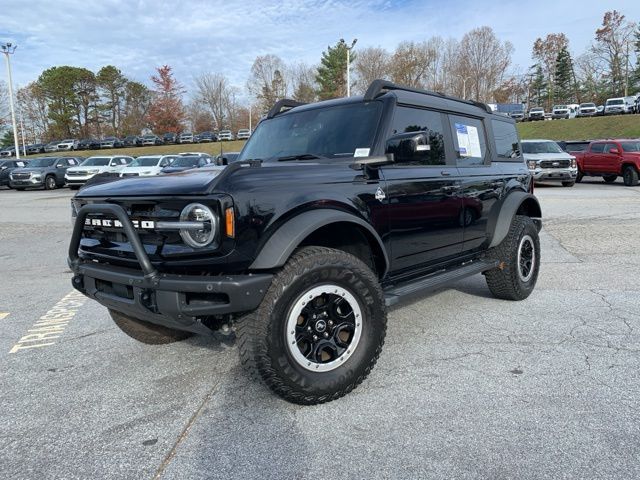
(195, 36)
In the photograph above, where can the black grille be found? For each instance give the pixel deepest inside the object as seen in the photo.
(555, 163)
(21, 176)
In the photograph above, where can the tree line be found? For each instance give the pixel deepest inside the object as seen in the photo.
(69, 101)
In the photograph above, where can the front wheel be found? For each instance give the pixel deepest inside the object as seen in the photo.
(579, 176)
(519, 255)
(568, 184)
(630, 176)
(50, 183)
(319, 329)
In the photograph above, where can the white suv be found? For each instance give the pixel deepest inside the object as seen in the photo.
(69, 144)
(75, 177)
(616, 106)
(147, 165)
(243, 134)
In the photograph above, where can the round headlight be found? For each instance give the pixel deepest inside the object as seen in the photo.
(199, 237)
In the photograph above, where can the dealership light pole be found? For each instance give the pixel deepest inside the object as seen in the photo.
(8, 49)
(348, 63)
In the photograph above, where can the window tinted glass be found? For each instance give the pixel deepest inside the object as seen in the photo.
(506, 138)
(609, 146)
(468, 140)
(327, 132)
(407, 120)
(631, 146)
(597, 147)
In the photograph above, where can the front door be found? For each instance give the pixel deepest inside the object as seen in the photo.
(423, 197)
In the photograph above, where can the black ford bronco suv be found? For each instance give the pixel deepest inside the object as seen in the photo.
(332, 212)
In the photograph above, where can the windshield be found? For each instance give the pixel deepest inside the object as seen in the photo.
(42, 162)
(185, 162)
(96, 162)
(617, 101)
(560, 107)
(541, 147)
(327, 132)
(630, 146)
(588, 105)
(536, 110)
(145, 162)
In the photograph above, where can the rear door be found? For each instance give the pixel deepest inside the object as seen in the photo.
(424, 203)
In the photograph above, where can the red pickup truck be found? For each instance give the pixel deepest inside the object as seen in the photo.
(609, 159)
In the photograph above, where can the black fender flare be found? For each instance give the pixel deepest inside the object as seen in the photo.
(503, 212)
(279, 247)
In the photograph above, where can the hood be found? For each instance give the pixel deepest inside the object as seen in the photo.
(29, 170)
(191, 182)
(80, 168)
(140, 169)
(547, 156)
(176, 169)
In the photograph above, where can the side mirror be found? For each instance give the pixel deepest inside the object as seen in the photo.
(3, 168)
(614, 151)
(408, 147)
(60, 165)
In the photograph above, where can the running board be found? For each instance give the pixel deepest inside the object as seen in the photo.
(396, 293)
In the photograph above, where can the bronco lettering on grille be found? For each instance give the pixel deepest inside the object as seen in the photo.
(105, 222)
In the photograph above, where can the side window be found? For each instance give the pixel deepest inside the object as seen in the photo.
(71, 162)
(407, 121)
(468, 140)
(506, 138)
(609, 146)
(597, 147)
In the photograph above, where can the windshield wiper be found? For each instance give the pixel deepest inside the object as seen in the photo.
(303, 156)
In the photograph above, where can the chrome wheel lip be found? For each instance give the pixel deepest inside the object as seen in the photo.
(525, 276)
(292, 321)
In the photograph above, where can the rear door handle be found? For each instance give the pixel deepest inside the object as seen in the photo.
(445, 173)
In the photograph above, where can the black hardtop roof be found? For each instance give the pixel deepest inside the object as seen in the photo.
(404, 95)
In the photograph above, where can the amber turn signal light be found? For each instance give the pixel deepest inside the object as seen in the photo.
(230, 224)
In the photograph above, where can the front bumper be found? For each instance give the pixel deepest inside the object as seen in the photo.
(558, 116)
(558, 174)
(176, 301)
(78, 180)
(29, 182)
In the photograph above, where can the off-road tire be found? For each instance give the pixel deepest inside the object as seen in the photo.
(262, 334)
(609, 178)
(579, 176)
(49, 184)
(504, 281)
(630, 176)
(568, 184)
(145, 332)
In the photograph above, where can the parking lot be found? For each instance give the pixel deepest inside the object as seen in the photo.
(467, 386)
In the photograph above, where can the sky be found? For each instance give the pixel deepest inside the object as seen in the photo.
(225, 37)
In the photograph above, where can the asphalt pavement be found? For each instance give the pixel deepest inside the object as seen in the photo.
(467, 386)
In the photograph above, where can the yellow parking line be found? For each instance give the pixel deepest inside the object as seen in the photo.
(3, 315)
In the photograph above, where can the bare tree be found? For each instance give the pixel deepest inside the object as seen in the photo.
(612, 45)
(268, 81)
(485, 60)
(214, 91)
(4, 104)
(590, 70)
(32, 103)
(371, 64)
(303, 82)
(410, 64)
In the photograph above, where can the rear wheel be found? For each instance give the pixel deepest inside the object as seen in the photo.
(319, 330)
(568, 184)
(50, 182)
(145, 332)
(519, 255)
(609, 178)
(630, 176)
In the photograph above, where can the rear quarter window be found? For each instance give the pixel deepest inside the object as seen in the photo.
(506, 140)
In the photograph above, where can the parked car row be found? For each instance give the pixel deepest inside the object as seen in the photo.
(613, 106)
(73, 144)
(74, 172)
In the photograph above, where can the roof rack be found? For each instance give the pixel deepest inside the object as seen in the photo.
(285, 103)
(378, 87)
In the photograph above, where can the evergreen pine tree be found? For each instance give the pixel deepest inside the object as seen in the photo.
(564, 88)
(332, 72)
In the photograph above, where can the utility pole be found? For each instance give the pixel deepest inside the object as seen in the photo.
(348, 64)
(8, 49)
